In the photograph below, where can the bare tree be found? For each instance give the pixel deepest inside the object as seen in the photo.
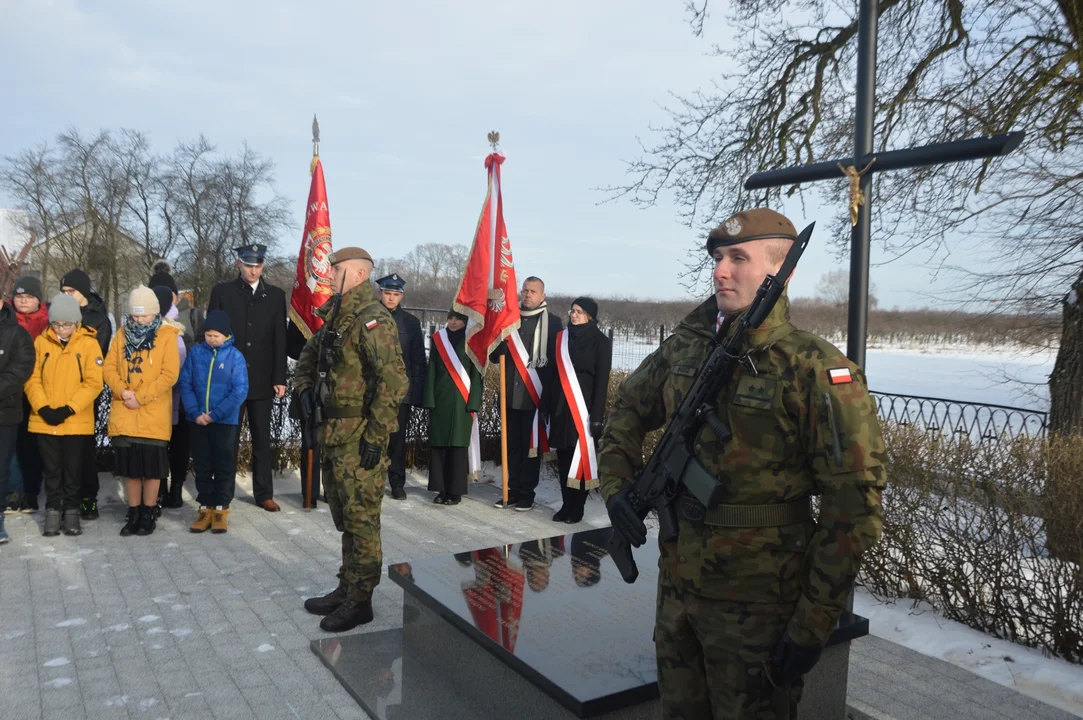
(947, 69)
(834, 288)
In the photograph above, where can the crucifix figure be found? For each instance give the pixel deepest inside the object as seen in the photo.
(861, 181)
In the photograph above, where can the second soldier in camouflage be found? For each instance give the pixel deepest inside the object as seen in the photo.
(365, 382)
(747, 599)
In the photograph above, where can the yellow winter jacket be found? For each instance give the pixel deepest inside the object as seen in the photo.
(151, 374)
(65, 374)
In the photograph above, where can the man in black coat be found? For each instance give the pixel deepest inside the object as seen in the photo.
(95, 315)
(538, 332)
(257, 314)
(16, 366)
(412, 339)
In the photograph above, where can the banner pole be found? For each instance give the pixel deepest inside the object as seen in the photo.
(308, 505)
(503, 431)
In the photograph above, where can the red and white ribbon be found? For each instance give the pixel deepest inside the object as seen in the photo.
(539, 433)
(461, 377)
(585, 460)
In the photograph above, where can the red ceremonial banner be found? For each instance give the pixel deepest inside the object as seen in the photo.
(488, 294)
(312, 287)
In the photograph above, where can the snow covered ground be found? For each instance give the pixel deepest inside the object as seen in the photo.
(1025, 670)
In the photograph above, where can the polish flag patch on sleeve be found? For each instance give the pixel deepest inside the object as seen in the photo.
(371, 324)
(840, 376)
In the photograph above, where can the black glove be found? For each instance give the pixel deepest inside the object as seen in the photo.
(55, 416)
(792, 661)
(596, 429)
(624, 518)
(370, 454)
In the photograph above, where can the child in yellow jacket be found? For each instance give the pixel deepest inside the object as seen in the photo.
(67, 378)
(141, 368)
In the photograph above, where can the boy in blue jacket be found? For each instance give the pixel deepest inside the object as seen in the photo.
(213, 385)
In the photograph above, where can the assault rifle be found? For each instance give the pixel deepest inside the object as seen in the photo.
(673, 466)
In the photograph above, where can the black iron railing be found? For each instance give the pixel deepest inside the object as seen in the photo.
(979, 422)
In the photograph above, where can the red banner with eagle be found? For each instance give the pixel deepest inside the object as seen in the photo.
(488, 295)
(312, 287)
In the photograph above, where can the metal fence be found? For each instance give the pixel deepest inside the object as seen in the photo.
(977, 422)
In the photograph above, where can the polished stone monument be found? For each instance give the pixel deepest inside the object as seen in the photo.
(536, 630)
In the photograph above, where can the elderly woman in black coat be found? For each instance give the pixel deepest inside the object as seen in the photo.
(577, 401)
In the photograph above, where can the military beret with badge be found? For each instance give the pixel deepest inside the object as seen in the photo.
(349, 253)
(757, 224)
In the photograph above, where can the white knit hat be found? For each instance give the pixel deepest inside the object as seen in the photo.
(143, 302)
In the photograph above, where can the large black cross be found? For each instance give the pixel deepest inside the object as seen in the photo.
(863, 158)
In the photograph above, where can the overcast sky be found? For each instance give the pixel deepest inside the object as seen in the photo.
(405, 92)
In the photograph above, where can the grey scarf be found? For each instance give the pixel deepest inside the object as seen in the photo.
(538, 354)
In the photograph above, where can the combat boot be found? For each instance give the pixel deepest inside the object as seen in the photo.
(148, 520)
(327, 604)
(71, 522)
(52, 523)
(347, 616)
(131, 522)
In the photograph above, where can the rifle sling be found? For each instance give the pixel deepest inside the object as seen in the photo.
(344, 412)
(746, 516)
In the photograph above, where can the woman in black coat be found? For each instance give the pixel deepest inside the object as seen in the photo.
(591, 353)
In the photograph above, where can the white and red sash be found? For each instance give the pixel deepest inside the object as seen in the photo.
(539, 434)
(585, 460)
(461, 377)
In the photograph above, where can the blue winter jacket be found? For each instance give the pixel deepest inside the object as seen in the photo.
(215, 381)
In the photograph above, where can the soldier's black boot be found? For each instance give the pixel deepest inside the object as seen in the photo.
(327, 604)
(349, 615)
(131, 522)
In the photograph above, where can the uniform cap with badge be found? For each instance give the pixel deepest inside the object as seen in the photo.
(758, 224)
(251, 254)
(391, 282)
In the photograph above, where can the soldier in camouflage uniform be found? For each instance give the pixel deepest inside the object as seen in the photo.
(360, 398)
(747, 599)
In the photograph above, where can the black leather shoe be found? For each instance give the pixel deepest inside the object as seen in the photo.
(453, 499)
(349, 615)
(174, 500)
(440, 498)
(398, 493)
(560, 515)
(573, 518)
(326, 604)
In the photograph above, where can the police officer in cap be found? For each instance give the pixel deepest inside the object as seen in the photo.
(390, 290)
(257, 314)
(749, 591)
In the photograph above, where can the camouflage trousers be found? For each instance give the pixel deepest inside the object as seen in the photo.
(354, 496)
(714, 655)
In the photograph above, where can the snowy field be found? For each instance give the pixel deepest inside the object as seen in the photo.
(983, 374)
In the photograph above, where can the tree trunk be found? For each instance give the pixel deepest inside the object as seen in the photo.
(1066, 380)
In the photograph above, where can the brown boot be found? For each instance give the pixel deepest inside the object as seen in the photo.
(327, 604)
(219, 523)
(203, 520)
(349, 615)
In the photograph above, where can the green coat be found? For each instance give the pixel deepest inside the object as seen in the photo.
(795, 434)
(451, 422)
(368, 373)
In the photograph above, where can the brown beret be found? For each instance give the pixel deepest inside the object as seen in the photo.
(755, 224)
(349, 253)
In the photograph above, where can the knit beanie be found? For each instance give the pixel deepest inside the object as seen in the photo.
(218, 320)
(165, 297)
(459, 315)
(27, 285)
(143, 301)
(77, 279)
(588, 305)
(162, 277)
(65, 308)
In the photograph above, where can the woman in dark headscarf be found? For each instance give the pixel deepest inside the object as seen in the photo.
(453, 389)
(576, 405)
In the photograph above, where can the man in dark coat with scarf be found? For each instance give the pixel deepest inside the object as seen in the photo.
(537, 332)
(257, 314)
(591, 354)
(76, 283)
(390, 291)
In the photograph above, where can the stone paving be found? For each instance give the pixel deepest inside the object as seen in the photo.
(179, 625)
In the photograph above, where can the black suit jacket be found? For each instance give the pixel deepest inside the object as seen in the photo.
(258, 321)
(412, 339)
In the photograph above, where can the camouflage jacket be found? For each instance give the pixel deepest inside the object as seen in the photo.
(367, 372)
(785, 420)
